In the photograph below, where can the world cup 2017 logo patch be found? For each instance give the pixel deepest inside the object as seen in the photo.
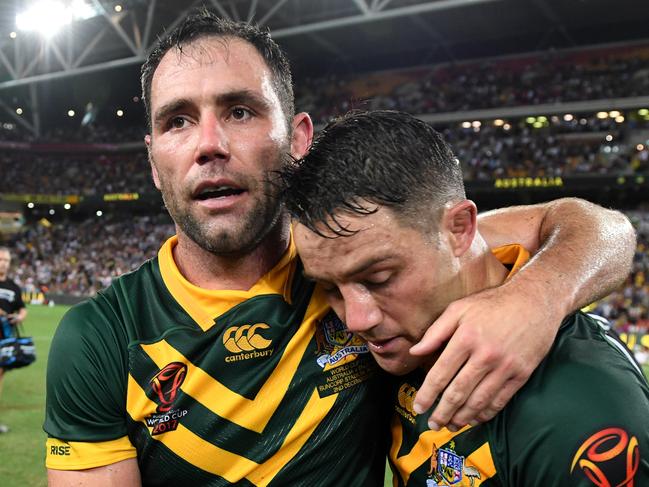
(610, 457)
(166, 384)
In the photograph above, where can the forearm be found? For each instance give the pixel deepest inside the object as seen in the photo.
(585, 253)
(22, 315)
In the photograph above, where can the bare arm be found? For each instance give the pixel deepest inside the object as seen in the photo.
(583, 250)
(121, 474)
(18, 317)
(493, 340)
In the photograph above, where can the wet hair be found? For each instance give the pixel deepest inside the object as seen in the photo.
(205, 24)
(368, 159)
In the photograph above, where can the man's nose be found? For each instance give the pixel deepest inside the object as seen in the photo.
(361, 310)
(213, 143)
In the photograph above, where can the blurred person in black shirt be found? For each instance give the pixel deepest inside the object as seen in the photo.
(12, 308)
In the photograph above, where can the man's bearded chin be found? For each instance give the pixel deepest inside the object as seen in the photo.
(233, 240)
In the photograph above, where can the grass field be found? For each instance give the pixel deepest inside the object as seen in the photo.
(22, 404)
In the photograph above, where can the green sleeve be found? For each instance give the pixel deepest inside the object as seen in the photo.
(87, 375)
(584, 415)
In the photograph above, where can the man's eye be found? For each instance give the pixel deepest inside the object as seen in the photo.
(177, 122)
(240, 113)
(379, 279)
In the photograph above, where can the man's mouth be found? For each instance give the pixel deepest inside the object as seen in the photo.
(211, 192)
(381, 346)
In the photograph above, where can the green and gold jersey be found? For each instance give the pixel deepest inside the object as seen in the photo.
(258, 387)
(581, 420)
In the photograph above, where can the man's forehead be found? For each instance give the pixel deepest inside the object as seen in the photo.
(209, 50)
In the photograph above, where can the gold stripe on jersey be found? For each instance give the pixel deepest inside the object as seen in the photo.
(76, 455)
(252, 414)
(421, 451)
(306, 424)
(232, 467)
(138, 405)
(482, 460)
(203, 305)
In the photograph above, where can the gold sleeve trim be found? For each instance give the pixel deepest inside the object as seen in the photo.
(77, 455)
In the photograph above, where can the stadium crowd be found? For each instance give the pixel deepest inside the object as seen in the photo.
(80, 258)
(558, 146)
(556, 77)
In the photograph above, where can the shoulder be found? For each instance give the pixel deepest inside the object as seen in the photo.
(587, 386)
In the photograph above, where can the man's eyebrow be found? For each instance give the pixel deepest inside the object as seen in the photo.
(173, 106)
(366, 264)
(244, 97)
(361, 267)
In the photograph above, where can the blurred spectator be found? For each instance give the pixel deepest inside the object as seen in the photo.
(81, 258)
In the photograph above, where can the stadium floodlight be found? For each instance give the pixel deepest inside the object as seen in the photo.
(602, 115)
(499, 122)
(619, 118)
(568, 117)
(47, 17)
(120, 113)
(30, 205)
(19, 111)
(614, 114)
(530, 119)
(67, 206)
(639, 147)
(71, 113)
(13, 34)
(466, 125)
(643, 112)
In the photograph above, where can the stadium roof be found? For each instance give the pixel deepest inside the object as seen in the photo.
(320, 36)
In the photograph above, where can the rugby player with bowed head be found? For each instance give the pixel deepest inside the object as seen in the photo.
(216, 362)
(384, 227)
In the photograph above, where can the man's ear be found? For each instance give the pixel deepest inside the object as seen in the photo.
(154, 170)
(302, 135)
(460, 223)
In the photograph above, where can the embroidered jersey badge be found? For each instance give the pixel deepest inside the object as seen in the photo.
(166, 385)
(335, 342)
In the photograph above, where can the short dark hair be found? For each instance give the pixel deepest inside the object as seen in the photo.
(365, 159)
(206, 24)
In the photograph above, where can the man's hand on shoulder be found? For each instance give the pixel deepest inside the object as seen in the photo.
(488, 354)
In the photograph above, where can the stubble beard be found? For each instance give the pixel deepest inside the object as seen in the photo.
(231, 240)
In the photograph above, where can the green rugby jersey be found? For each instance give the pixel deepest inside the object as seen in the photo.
(581, 420)
(259, 387)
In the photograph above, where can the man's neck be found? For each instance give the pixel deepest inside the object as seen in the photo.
(234, 272)
(3, 277)
(481, 269)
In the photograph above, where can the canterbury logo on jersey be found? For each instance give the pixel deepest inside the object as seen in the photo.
(406, 398)
(246, 342)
